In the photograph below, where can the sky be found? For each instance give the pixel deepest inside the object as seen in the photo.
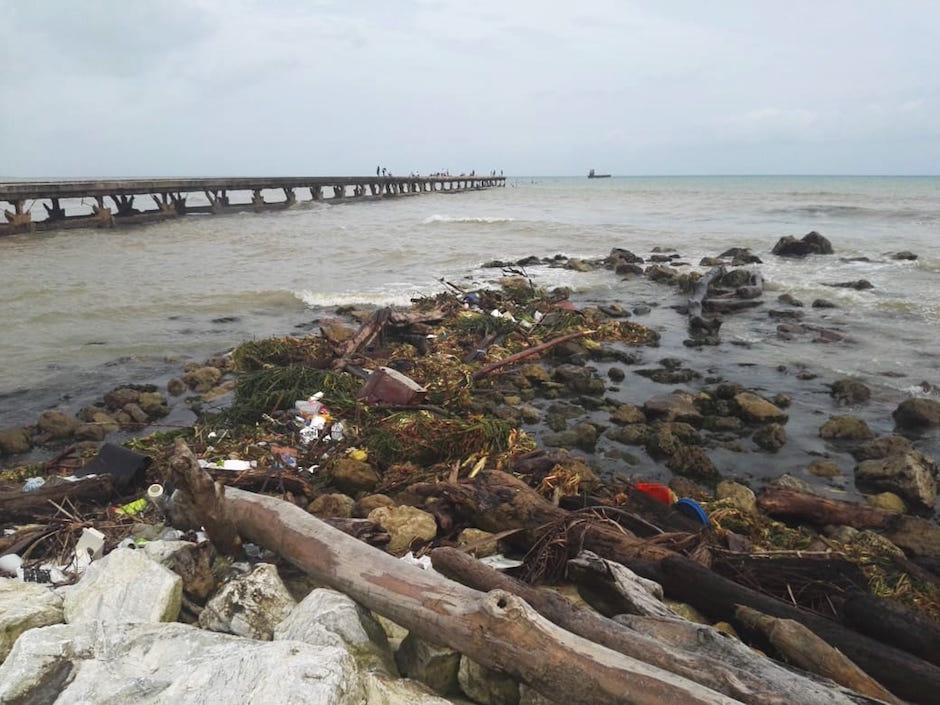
(531, 87)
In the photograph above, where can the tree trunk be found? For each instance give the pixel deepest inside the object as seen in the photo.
(38, 505)
(496, 502)
(754, 680)
(496, 629)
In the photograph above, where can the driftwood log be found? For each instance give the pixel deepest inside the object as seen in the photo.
(747, 677)
(801, 647)
(919, 538)
(495, 501)
(496, 629)
(17, 505)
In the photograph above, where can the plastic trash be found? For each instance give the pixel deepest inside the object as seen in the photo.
(227, 464)
(692, 509)
(657, 491)
(308, 434)
(90, 547)
(131, 508)
(500, 562)
(156, 496)
(337, 431)
(10, 563)
(125, 465)
(33, 483)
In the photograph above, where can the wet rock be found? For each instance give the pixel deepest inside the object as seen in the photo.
(789, 300)
(530, 414)
(90, 432)
(435, 666)
(175, 387)
(738, 495)
(771, 437)
(858, 285)
(734, 279)
(631, 435)
(850, 391)
(888, 501)
(136, 413)
(341, 617)
(664, 375)
(154, 404)
(110, 662)
(202, 379)
(618, 255)
(811, 243)
(615, 374)
(486, 686)
(629, 270)
(722, 424)
(118, 398)
(882, 447)
(823, 303)
(641, 310)
(711, 262)
(786, 315)
(917, 414)
(25, 606)
(580, 380)
(686, 487)
(614, 311)
(910, 475)
(661, 442)
(56, 425)
(693, 461)
(353, 476)
(332, 505)
(782, 400)
(789, 482)
(105, 420)
(14, 441)
(755, 409)
(627, 414)
(250, 605)
(678, 406)
(124, 586)
(404, 525)
(823, 468)
(582, 435)
(661, 274)
(904, 255)
(364, 505)
(850, 428)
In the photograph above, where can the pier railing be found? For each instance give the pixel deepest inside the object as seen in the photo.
(109, 203)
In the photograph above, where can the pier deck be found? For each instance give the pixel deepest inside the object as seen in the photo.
(64, 202)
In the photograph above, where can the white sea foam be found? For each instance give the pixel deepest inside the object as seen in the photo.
(466, 219)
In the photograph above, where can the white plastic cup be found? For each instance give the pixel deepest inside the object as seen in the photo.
(155, 494)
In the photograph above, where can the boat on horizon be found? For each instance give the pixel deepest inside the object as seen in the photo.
(592, 175)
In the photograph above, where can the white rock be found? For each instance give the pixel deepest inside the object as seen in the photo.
(101, 663)
(340, 615)
(250, 605)
(124, 586)
(25, 606)
(380, 689)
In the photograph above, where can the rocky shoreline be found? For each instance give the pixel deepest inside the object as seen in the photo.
(512, 379)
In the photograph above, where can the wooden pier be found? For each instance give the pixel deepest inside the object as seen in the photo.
(111, 203)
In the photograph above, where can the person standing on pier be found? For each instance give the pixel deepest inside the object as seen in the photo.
(376, 171)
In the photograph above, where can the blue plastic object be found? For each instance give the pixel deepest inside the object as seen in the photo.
(692, 509)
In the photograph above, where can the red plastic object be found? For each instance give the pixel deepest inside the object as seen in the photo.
(656, 491)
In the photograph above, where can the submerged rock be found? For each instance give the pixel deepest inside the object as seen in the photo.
(850, 391)
(917, 414)
(846, 428)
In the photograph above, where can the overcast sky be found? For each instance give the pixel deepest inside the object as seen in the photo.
(535, 87)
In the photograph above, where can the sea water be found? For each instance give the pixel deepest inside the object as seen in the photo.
(87, 310)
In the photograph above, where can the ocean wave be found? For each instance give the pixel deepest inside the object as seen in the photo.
(489, 220)
(322, 299)
(844, 211)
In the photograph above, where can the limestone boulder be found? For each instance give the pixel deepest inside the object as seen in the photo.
(340, 616)
(250, 605)
(435, 666)
(486, 686)
(103, 663)
(118, 398)
(381, 689)
(124, 586)
(770, 437)
(580, 380)
(627, 414)
(352, 476)
(752, 408)
(911, 476)
(917, 414)
(882, 448)
(404, 524)
(25, 606)
(737, 495)
(153, 404)
(332, 505)
(849, 391)
(202, 379)
(192, 562)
